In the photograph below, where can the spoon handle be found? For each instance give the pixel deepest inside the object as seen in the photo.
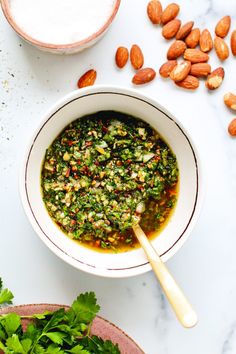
(182, 308)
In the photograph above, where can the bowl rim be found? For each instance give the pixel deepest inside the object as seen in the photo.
(109, 272)
(81, 43)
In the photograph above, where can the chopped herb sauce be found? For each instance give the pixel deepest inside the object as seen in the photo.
(104, 173)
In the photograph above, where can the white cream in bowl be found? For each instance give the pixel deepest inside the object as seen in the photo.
(60, 21)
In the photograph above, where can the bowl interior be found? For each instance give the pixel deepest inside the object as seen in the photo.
(181, 221)
(100, 327)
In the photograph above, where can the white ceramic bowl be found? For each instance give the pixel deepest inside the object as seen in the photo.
(70, 48)
(90, 100)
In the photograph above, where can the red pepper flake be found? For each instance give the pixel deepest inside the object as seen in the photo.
(72, 222)
(104, 129)
(119, 163)
(79, 162)
(88, 143)
(68, 172)
(70, 142)
(97, 163)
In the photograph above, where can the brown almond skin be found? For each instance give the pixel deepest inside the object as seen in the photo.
(136, 57)
(167, 67)
(195, 56)
(122, 56)
(184, 30)
(193, 38)
(87, 79)
(154, 11)
(171, 28)
(170, 12)
(230, 100)
(181, 71)
(215, 79)
(223, 26)
(200, 69)
(176, 50)
(143, 76)
(221, 48)
(233, 42)
(205, 42)
(189, 83)
(232, 127)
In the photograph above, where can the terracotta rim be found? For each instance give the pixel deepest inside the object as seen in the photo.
(18, 30)
(76, 259)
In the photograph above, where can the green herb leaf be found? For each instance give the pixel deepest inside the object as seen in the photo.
(6, 295)
(84, 308)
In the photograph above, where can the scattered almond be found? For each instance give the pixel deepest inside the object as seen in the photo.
(87, 79)
(122, 56)
(181, 71)
(215, 79)
(195, 56)
(223, 26)
(171, 28)
(154, 11)
(176, 50)
(221, 48)
(230, 100)
(184, 30)
(167, 67)
(189, 83)
(200, 69)
(192, 39)
(232, 127)
(144, 76)
(233, 42)
(170, 12)
(205, 42)
(136, 57)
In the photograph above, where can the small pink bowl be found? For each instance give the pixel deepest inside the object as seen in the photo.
(60, 48)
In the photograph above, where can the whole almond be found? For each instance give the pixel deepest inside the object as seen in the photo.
(221, 48)
(215, 79)
(170, 12)
(184, 30)
(233, 42)
(189, 83)
(200, 69)
(144, 76)
(167, 67)
(223, 26)
(205, 42)
(154, 11)
(230, 100)
(195, 56)
(171, 28)
(192, 39)
(181, 71)
(87, 79)
(232, 127)
(122, 56)
(176, 50)
(136, 57)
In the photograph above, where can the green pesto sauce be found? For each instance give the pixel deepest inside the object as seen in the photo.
(104, 173)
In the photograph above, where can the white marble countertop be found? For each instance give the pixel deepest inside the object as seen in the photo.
(30, 82)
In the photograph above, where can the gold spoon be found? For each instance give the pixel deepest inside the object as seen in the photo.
(182, 308)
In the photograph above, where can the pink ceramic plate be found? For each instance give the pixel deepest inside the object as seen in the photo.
(100, 327)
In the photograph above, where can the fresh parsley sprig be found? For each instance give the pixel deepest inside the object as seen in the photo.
(6, 295)
(62, 331)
